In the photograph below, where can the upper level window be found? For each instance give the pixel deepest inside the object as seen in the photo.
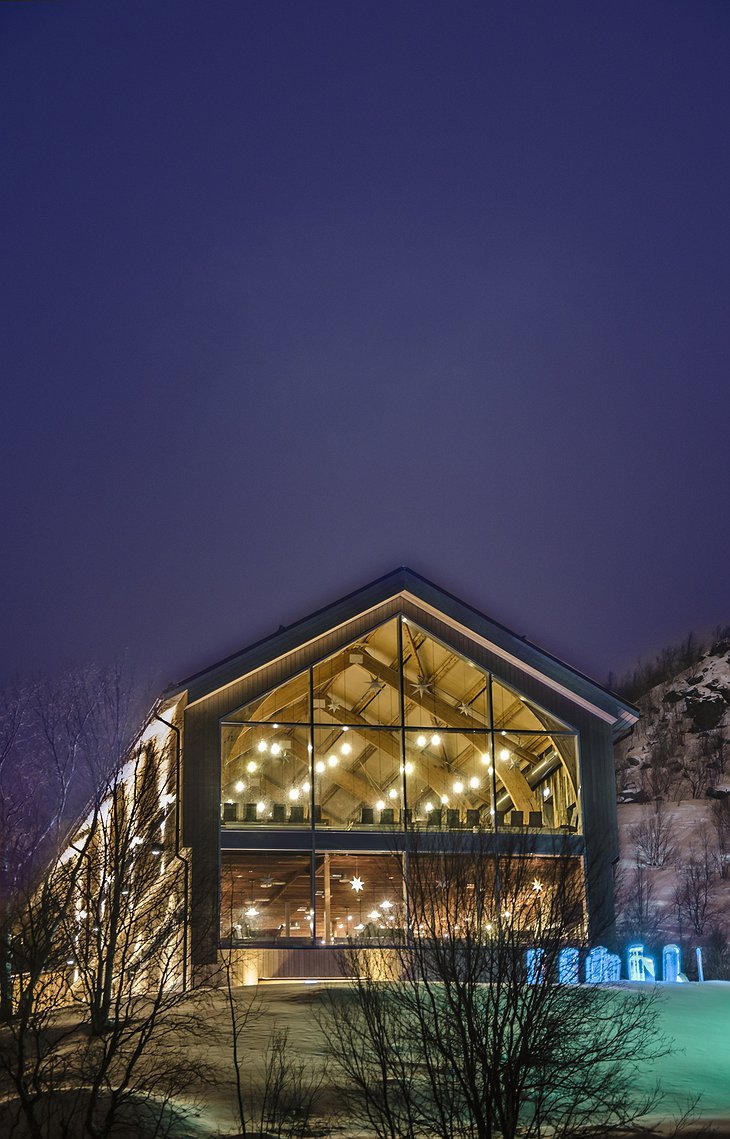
(398, 728)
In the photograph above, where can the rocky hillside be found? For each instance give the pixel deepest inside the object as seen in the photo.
(673, 788)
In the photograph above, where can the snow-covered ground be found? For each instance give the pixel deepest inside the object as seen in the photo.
(695, 1018)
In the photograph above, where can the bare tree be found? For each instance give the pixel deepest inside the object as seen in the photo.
(720, 817)
(640, 915)
(653, 837)
(694, 902)
(279, 1094)
(452, 1032)
(284, 1092)
(98, 942)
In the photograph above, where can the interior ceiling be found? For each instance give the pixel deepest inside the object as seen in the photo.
(360, 686)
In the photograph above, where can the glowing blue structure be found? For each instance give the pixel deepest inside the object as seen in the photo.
(641, 967)
(569, 967)
(671, 963)
(535, 966)
(612, 970)
(596, 965)
(636, 962)
(700, 968)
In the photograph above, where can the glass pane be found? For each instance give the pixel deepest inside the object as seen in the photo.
(265, 775)
(359, 898)
(357, 777)
(266, 897)
(441, 688)
(360, 684)
(510, 710)
(449, 779)
(289, 703)
(537, 779)
(470, 895)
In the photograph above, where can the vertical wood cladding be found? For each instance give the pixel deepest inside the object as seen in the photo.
(201, 763)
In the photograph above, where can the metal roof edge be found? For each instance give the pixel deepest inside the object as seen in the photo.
(608, 705)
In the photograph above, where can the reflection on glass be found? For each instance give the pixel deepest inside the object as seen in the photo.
(449, 779)
(288, 703)
(357, 777)
(510, 710)
(351, 759)
(361, 683)
(265, 774)
(537, 780)
(359, 898)
(440, 687)
(266, 897)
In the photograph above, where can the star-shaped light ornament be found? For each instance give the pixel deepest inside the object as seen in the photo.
(332, 704)
(422, 686)
(374, 685)
(464, 708)
(357, 885)
(537, 885)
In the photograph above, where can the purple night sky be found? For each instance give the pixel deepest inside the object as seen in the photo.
(294, 293)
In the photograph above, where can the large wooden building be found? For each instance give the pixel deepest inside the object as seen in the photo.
(311, 760)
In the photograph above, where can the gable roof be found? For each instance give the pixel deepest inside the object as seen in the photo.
(459, 614)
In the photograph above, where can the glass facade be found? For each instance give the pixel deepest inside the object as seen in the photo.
(398, 730)
(323, 898)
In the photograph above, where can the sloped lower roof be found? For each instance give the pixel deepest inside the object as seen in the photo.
(406, 582)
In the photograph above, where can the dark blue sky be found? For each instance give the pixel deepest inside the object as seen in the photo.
(294, 293)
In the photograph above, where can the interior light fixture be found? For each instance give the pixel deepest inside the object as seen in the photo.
(252, 912)
(485, 759)
(251, 767)
(240, 786)
(386, 905)
(435, 740)
(262, 745)
(504, 754)
(374, 915)
(421, 741)
(306, 787)
(320, 767)
(294, 793)
(392, 794)
(346, 749)
(260, 808)
(428, 807)
(408, 768)
(458, 787)
(474, 782)
(333, 761)
(444, 800)
(275, 749)
(379, 805)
